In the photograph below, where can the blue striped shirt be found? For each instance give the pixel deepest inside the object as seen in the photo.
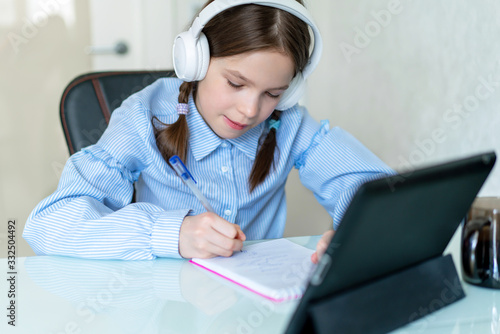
(91, 215)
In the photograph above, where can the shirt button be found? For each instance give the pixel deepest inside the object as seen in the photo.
(224, 168)
(224, 144)
(227, 212)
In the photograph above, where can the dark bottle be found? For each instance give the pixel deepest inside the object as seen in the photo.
(481, 243)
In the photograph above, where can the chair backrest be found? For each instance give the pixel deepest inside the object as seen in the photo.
(88, 101)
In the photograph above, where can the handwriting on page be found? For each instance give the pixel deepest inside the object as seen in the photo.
(255, 261)
(277, 269)
(280, 258)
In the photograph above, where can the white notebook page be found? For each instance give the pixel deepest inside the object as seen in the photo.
(277, 269)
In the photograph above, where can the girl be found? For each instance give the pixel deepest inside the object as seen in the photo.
(233, 132)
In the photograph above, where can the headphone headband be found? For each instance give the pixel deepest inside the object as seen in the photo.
(191, 47)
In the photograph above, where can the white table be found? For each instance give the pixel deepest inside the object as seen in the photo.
(57, 295)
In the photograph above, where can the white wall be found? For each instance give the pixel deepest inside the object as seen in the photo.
(417, 91)
(420, 87)
(41, 50)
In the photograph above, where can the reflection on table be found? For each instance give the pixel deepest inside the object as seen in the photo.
(70, 295)
(57, 295)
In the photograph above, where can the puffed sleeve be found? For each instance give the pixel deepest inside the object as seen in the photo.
(333, 164)
(90, 215)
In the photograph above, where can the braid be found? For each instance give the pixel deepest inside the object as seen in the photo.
(172, 140)
(265, 156)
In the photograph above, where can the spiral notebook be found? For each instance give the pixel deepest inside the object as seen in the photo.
(277, 270)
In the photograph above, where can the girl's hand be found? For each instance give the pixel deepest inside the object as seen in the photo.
(322, 245)
(208, 235)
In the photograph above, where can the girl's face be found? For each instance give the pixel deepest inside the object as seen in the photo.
(240, 92)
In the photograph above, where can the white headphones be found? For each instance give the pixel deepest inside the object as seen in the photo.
(191, 54)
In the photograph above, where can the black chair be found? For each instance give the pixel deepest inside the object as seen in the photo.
(88, 101)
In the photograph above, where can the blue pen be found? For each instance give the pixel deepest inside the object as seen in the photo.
(189, 180)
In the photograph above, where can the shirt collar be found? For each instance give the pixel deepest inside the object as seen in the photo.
(204, 141)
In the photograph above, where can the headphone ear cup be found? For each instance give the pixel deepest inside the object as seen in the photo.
(183, 50)
(191, 56)
(203, 57)
(293, 94)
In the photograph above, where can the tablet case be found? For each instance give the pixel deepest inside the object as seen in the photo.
(390, 302)
(380, 268)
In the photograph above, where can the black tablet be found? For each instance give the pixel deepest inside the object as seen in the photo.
(393, 223)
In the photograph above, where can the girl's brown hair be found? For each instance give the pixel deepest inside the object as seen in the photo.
(237, 30)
